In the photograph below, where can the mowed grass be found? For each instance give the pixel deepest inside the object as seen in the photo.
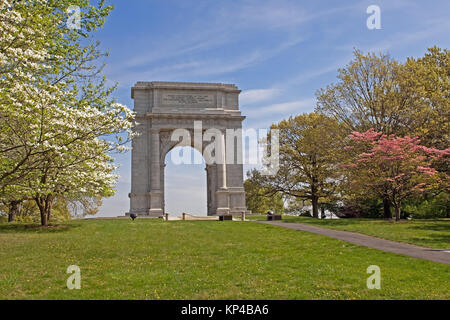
(153, 259)
(433, 233)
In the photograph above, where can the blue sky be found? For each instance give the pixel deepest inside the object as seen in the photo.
(277, 52)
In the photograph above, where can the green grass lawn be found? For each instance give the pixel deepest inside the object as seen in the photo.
(153, 259)
(433, 233)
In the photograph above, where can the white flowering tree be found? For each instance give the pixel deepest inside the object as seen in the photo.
(58, 120)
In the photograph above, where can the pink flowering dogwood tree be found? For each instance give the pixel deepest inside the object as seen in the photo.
(398, 167)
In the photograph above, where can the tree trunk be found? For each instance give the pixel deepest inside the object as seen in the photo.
(397, 213)
(315, 206)
(42, 210)
(387, 208)
(13, 210)
(45, 208)
(49, 206)
(322, 213)
(447, 210)
(44, 221)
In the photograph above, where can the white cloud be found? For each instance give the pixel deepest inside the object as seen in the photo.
(258, 95)
(285, 108)
(309, 75)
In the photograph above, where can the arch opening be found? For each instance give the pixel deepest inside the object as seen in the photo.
(185, 184)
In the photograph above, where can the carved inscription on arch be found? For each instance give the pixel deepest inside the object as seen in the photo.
(187, 99)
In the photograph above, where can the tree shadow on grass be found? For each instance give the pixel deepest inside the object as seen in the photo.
(435, 232)
(431, 224)
(434, 241)
(434, 225)
(35, 228)
(328, 222)
(440, 238)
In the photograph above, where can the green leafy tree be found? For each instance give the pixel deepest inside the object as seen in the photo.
(260, 199)
(309, 155)
(366, 95)
(425, 82)
(433, 206)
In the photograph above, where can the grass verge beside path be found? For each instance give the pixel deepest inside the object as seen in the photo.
(433, 233)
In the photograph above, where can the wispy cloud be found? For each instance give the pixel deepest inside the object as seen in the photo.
(201, 68)
(285, 108)
(266, 14)
(401, 39)
(258, 95)
(181, 45)
(306, 76)
(277, 14)
(222, 25)
(255, 96)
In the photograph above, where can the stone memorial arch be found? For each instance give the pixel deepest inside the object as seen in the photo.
(161, 108)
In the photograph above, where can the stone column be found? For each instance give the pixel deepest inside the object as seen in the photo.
(222, 194)
(224, 163)
(221, 162)
(155, 159)
(155, 175)
(211, 187)
(139, 195)
(234, 173)
(162, 186)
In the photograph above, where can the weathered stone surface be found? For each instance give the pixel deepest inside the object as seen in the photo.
(162, 107)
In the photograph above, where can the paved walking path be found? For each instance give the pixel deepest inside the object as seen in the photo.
(371, 242)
